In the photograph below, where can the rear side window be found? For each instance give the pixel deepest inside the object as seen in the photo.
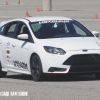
(10, 29)
(2, 29)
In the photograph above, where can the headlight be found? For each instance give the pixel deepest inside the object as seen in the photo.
(54, 50)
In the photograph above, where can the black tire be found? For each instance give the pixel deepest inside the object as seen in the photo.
(3, 74)
(36, 68)
(97, 75)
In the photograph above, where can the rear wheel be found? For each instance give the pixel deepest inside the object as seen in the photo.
(3, 74)
(97, 75)
(36, 68)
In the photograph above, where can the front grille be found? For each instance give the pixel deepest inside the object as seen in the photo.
(83, 59)
(85, 68)
(87, 63)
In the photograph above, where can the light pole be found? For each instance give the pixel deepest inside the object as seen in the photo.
(47, 5)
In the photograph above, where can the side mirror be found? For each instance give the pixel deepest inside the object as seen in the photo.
(95, 33)
(22, 36)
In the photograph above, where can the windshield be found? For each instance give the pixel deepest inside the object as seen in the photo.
(59, 29)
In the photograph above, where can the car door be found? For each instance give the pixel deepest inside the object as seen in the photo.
(19, 49)
(6, 37)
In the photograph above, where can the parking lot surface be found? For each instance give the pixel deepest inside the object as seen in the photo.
(82, 87)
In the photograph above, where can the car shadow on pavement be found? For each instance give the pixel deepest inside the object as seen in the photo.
(71, 78)
(56, 78)
(20, 77)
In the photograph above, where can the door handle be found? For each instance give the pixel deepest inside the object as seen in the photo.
(14, 45)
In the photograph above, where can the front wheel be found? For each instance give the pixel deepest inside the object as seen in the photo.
(97, 75)
(36, 68)
(3, 74)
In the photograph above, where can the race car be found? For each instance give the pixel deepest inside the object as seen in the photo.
(48, 45)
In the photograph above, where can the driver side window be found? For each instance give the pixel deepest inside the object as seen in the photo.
(22, 29)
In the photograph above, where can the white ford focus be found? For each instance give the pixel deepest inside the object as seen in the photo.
(39, 45)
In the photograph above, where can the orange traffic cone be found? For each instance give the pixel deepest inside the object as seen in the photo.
(95, 16)
(19, 2)
(37, 9)
(6, 2)
(27, 14)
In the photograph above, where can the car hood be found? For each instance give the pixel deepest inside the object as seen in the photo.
(73, 43)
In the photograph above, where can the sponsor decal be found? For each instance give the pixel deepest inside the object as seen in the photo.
(53, 21)
(8, 52)
(8, 44)
(8, 57)
(20, 64)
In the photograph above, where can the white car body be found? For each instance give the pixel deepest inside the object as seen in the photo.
(15, 54)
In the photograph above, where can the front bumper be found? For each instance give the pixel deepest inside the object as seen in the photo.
(73, 62)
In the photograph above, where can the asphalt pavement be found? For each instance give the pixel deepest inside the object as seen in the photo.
(82, 87)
